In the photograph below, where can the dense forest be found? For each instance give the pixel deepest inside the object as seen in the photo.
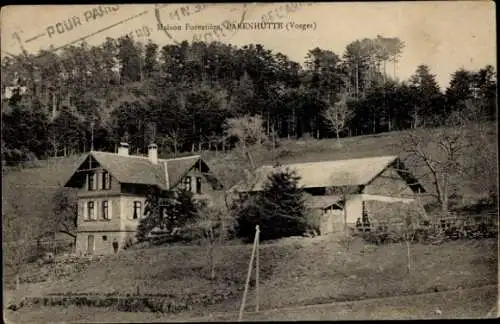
(182, 96)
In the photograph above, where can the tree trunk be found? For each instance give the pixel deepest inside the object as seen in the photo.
(357, 82)
(267, 121)
(374, 124)
(444, 195)
(415, 117)
(212, 270)
(54, 106)
(408, 254)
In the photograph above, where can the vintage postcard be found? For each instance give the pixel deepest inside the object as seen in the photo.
(249, 161)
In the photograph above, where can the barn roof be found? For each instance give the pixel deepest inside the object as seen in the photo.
(336, 173)
(139, 170)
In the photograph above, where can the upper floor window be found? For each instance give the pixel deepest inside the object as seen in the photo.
(137, 209)
(198, 185)
(91, 183)
(90, 210)
(106, 180)
(105, 210)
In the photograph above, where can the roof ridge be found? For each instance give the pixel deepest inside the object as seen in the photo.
(336, 160)
(126, 156)
(182, 158)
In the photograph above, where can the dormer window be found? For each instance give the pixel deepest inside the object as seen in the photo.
(106, 180)
(91, 185)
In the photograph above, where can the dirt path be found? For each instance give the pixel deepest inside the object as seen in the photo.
(469, 303)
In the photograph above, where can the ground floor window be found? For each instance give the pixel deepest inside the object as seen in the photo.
(137, 209)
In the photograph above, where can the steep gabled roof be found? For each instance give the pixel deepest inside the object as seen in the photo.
(349, 172)
(139, 170)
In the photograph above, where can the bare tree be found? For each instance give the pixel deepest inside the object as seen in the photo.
(54, 143)
(212, 226)
(406, 225)
(17, 241)
(342, 188)
(248, 129)
(444, 153)
(174, 140)
(337, 115)
(65, 214)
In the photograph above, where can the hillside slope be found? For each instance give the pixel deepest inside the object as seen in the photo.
(27, 194)
(293, 271)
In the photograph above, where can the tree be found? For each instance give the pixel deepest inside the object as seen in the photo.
(338, 115)
(478, 87)
(185, 211)
(152, 214)
(443, 153)
(17, 242)
(150, 59)
(406, 227)
(279, 209)
(343, 190)
(167, 211)
(211, 225)
(130, 59)
(173, 140)
(427, 95)
(65, 211)
(248, 130)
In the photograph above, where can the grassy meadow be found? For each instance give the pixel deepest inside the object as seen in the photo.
(293, 272)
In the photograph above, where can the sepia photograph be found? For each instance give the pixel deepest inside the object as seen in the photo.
(224, 162)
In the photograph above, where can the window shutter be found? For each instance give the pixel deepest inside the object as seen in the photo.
(110, 209)
(96, 209)
(85, 215)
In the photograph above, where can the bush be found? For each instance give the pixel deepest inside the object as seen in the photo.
(164, 303)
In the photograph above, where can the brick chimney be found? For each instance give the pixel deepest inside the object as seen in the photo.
(153, 153)
(123, 149)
